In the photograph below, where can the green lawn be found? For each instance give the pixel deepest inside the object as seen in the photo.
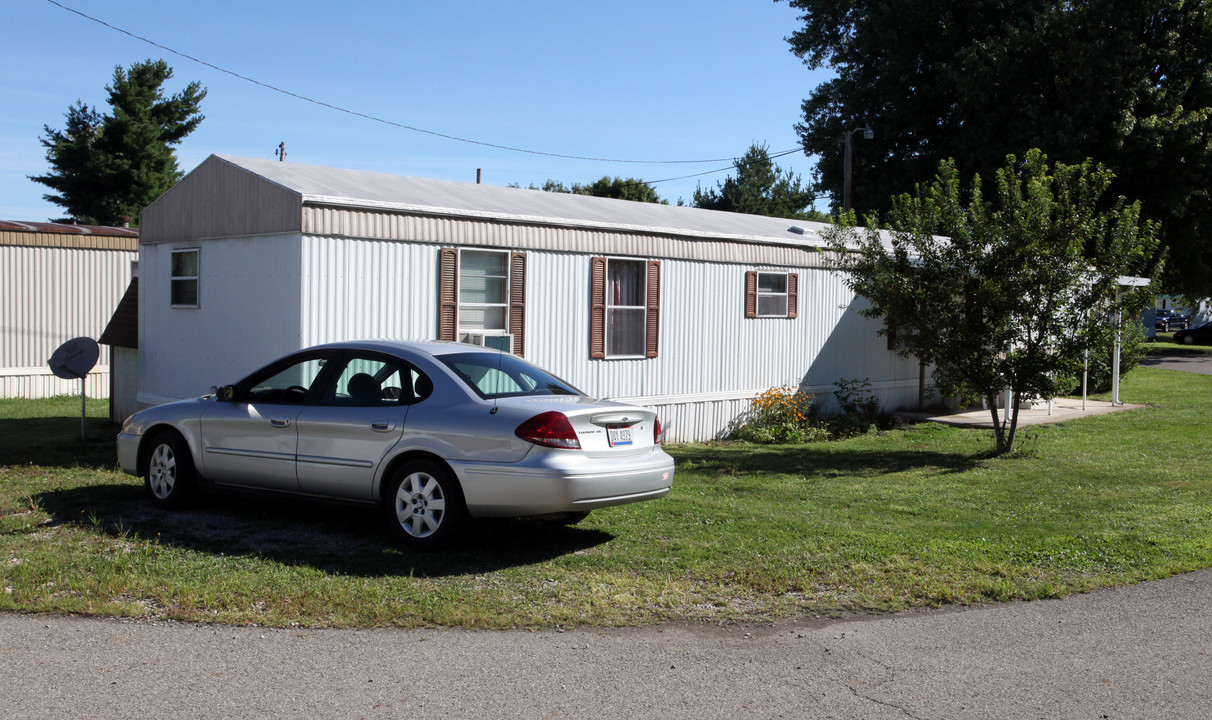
(1164, 343)
(921, 516)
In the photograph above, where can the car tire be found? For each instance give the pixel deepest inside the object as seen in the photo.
(1189, 339)
(168, 474)
(425, 506)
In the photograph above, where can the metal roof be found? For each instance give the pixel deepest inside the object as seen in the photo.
(318, 185)
(67, 229)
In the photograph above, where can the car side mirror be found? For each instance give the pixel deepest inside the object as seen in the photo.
(227, 393)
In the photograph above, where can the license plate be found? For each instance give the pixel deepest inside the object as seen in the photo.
(619, 436)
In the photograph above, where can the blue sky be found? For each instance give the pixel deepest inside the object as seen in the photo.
(630, 80)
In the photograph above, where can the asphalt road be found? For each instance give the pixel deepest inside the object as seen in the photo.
(1137, 652)
(1196, 363)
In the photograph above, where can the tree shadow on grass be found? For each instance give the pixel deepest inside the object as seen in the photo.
(336, 539)
(819, 460)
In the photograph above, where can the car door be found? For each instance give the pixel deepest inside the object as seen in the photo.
(344, 438)
(251, 439)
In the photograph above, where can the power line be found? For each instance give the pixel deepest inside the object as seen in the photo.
(384, 121)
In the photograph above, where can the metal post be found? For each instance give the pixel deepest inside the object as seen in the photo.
(83, 411)
(849, 170)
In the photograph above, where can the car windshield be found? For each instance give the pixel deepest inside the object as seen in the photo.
(497, 375)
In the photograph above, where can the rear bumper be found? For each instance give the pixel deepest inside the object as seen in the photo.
(558, 481)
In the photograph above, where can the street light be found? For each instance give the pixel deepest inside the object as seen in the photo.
(868, 134)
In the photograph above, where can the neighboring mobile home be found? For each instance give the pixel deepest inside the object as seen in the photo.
(692, 312)
(57, 282)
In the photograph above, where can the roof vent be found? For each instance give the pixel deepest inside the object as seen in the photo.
(796, 229)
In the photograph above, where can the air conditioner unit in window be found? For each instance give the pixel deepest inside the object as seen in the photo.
(496, 341)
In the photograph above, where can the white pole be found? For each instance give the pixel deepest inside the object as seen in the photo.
(1115, 353)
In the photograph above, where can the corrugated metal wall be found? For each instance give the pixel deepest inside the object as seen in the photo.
(49, 295)
(712, 360)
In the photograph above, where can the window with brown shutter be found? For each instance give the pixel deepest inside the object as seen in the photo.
(482, 297)
(771, 294)
(624, 315)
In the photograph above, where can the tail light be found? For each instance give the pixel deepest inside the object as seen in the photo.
(550, 429)
(656, 431)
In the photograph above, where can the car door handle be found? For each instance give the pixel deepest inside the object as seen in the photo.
(280, 422)
(383, 426)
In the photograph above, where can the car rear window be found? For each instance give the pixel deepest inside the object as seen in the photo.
(497, 375)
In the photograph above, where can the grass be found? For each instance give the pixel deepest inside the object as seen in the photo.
(916, 517)
(1164, 343)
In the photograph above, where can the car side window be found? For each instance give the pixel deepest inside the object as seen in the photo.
(287, 385)
(373, 381)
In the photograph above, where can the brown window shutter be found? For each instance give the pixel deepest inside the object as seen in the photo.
(517, 302)
(793, 287)
(751, 294)
(653, 298)
(448, 293)
(597, 308)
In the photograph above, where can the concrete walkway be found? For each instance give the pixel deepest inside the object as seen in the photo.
(1062, 409)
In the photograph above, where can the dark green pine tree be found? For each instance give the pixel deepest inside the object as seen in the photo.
(760, 187)
(104, 167)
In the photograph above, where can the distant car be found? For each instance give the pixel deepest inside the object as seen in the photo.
(1201, 335)
(1170, 320)
(434, 433)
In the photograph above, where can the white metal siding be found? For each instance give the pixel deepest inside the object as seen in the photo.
(249, 313)
(362, 289)
(49, 295)
(712, 359)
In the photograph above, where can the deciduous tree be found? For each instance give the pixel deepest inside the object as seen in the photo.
(1125, 82)
(1006, 291)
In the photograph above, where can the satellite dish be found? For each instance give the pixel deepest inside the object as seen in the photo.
(75, 358)
(72, 361)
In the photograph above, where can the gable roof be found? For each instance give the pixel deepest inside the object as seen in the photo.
(123, 327)
(318, 185)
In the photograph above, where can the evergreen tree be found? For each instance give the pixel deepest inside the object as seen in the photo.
(760, 187)
(104, 167)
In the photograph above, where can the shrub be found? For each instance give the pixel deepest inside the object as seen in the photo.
(781, 415)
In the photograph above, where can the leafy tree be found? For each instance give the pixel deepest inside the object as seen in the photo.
(1007, 291)
(619, 188)
(104, 167)
(760, 187)
(1125, 82)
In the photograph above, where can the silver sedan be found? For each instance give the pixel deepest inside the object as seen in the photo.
(436, 433)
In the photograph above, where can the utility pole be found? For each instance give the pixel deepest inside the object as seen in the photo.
(848, 139)
(280, 153)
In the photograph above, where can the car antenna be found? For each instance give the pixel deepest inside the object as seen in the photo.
(496, 396)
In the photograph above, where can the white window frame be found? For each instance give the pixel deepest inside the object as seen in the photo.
(608, 327)
(785, 294)
(195, 278)
(461, 332)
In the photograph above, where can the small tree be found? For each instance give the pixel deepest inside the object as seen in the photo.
(1006, 292)
(104, 167)
(760, 187)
